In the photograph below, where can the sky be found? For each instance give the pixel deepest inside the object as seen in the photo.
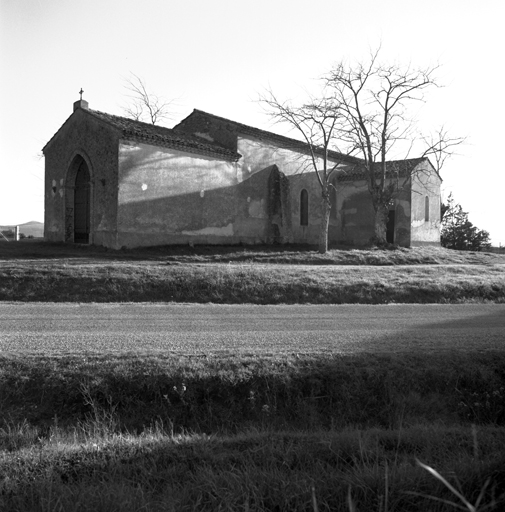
(221, 55)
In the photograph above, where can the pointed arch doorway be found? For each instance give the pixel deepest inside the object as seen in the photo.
(82, 204)
(78, 207)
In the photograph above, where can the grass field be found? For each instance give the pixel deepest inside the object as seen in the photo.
(34, 271)
(368, 432)
(30, 250)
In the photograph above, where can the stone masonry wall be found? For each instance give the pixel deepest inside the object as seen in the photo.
(82, 135)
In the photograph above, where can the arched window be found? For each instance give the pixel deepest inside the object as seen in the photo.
(426, 209)
(304, 208)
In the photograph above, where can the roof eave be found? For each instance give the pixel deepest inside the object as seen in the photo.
(128, 136)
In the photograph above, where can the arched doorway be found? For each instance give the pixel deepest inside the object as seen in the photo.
(82, 204)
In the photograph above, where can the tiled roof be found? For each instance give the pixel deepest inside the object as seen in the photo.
(286, 142)
(400, 167)
(161, 136)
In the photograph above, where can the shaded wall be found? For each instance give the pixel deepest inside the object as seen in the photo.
(81, 136)
(259, 152)
(168, 197)
(354, 222)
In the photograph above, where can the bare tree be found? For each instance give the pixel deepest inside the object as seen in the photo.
(363, 112)
(316, 122)
(144, 105)
(374, 100)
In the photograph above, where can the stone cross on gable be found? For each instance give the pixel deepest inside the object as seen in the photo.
(80, 92)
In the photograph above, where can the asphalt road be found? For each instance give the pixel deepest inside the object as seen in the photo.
(244, 329)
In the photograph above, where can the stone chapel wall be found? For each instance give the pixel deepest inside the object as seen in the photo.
(81, 136)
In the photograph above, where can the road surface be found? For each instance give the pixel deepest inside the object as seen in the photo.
(29, 328)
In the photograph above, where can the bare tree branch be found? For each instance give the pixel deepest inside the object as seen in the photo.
(441, 146)
(144, 105)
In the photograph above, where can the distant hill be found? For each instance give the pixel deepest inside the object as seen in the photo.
(32, 228)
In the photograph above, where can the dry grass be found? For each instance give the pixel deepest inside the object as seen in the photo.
(58, 272)
(374, 471)
(29, 250)
(213, 393)
(283, 434)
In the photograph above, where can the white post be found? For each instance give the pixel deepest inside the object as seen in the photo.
(16, 233)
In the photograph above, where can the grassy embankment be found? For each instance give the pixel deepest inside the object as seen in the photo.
(34, 271)
(307, 433)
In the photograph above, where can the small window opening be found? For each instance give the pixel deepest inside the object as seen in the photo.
(426, 209)
(304, 208)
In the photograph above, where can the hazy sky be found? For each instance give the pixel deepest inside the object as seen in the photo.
(219, 55)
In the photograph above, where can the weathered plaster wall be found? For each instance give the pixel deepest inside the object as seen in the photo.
(425, 184)
(82, 135)
(259, 153)
(297, 167)
(403, 217)
(167, 197)
(354, 224)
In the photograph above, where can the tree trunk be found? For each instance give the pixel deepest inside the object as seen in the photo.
(381, 217)
(325, 221)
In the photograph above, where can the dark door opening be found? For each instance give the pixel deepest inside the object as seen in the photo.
(390, 227)
(81, 205)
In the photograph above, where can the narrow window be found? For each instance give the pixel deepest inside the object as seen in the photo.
(304, 208)
(426, 209)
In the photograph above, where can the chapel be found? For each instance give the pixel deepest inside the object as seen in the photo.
(118, 182)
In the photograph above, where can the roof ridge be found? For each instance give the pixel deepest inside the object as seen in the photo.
(162, 135)
(248, 128)
(129, 119)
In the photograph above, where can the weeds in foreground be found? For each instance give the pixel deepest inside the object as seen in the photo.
(257, 470)
(297, 434)
(465, 503)
(209, 394)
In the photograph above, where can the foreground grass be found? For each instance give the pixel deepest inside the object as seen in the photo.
(84, 274)
(370, 470)
(218, 393)
(277, 433)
